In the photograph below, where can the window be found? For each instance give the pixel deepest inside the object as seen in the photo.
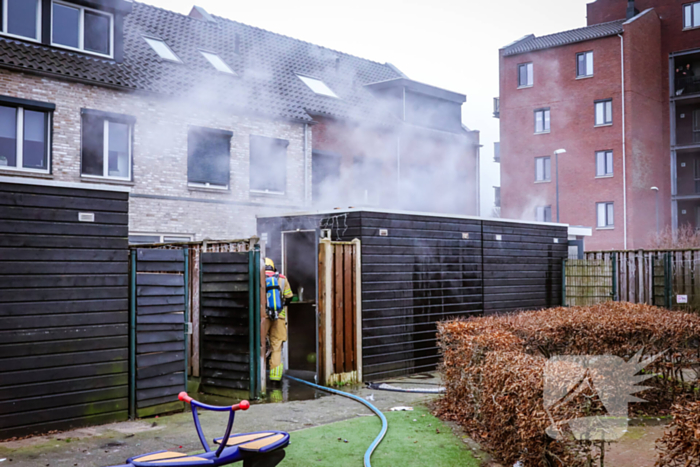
(603, 163)
(542, 122)
(106, 145)
(24, 138)
(368, 174)
(603, 112)
(268, 165)
(80, 28)
(318, 86)
(691, 15)
(149, 239)
(497, 196)
(325, 176)
(584, 64)
(209, 157)
(543, 169)
(218, 63)
(696, 175)
(21, 18)
(525, 75)
(162, 49)
(606, 217)
(543, 214)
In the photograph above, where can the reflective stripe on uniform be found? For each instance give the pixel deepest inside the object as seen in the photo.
(276, 373)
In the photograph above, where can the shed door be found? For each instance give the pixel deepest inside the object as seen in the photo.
(340, 323)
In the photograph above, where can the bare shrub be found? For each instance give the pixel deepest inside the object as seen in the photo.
(686, 237)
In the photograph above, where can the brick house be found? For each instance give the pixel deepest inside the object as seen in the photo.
(211, 122)
(605, 94)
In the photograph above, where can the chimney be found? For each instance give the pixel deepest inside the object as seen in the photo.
(201, 14)
(631, 10)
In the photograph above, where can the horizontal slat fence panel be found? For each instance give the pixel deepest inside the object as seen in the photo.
(160, 331)
(63, 308)
(224, 323)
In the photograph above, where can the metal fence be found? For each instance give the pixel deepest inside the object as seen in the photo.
(666, 278)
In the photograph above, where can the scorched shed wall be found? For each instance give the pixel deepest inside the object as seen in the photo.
(63, 308)
(419, 269)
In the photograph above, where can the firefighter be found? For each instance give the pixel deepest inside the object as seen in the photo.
(279, 294)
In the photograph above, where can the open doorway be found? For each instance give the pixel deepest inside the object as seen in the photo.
(300, 265)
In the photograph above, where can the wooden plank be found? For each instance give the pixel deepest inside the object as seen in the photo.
(224, 268)
(151, 290)
(63, 228)
(225, 258)
(338, 322)
(225, 278)
(64, 425)
(62, 202)
(55, 281)
(53, 241)
(37, 254)
(59, 215)
(152, 393)
(348, 309)
(155, 266)
(178, 346)
(149, 411)
(56, 400)
(154, 337)
(42, 375)
(170, 318)
(160, 256)
(62, 413)
(55, 334)
(195, 310)
(63, 320)
(84, 293)
(158, 309)
(162, 280)
(62, 191)
(46, 348)
(64, 386)
(64, 359)
(161, 300)
(159, 370)
(171, 379)
(15, 268)
(224, 287)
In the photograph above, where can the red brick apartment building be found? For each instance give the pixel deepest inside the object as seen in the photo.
(622, 97)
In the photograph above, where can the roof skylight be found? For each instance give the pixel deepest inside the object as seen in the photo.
(162, 49)
(318, 86)
(217, 62)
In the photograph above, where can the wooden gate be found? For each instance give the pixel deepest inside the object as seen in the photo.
(340, 323)
(160, 332)
(230, 323)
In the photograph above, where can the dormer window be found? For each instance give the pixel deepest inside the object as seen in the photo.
(84, 29)
(21, 18)
(318, 86)
(162, 49)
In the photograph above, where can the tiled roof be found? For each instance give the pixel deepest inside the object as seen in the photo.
(266, 65)
(532, 43)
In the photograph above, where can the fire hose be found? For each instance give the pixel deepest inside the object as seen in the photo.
(376, 411)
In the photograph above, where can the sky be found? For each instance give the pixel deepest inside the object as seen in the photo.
(451, 44)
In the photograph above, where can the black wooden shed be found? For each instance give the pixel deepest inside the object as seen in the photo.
(63, 305)
(416, 270)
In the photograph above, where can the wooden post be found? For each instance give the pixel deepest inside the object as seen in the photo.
(195, 281)
(358, 308)
(326, 309)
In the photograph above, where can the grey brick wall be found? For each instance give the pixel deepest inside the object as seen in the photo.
(161, 199)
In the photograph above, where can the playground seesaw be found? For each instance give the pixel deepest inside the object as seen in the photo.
(246, 447)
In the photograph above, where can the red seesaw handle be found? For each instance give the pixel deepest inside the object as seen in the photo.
(243, 405)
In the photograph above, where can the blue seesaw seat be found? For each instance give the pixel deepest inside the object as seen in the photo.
(240, 447)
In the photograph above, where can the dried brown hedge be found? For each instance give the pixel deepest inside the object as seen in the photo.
(493, 370)
(680, 445)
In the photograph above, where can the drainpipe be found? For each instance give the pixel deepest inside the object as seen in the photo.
(478, 180)
(624, 145)
(306, 164)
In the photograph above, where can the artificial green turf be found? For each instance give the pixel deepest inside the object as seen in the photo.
(407, 443)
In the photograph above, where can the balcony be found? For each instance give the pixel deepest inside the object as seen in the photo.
(497, 107)
(497, 152)
(688, 173)
(686, 70)
(688, 122)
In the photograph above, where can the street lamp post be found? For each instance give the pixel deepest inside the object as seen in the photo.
(556, 163)
(658, 225)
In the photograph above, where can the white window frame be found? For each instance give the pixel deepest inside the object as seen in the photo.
(20, 143)
(105, 153)
(544, 113)
(5, 23)
(158, 39)
(691, 11)
(607, 223)
(543, 209)
(304, 79)
(604, 103)
(544, 178)
(605, 154)
(589, 64)
(81, 29)
(222, 67)
(162, 236)
(530, 71)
